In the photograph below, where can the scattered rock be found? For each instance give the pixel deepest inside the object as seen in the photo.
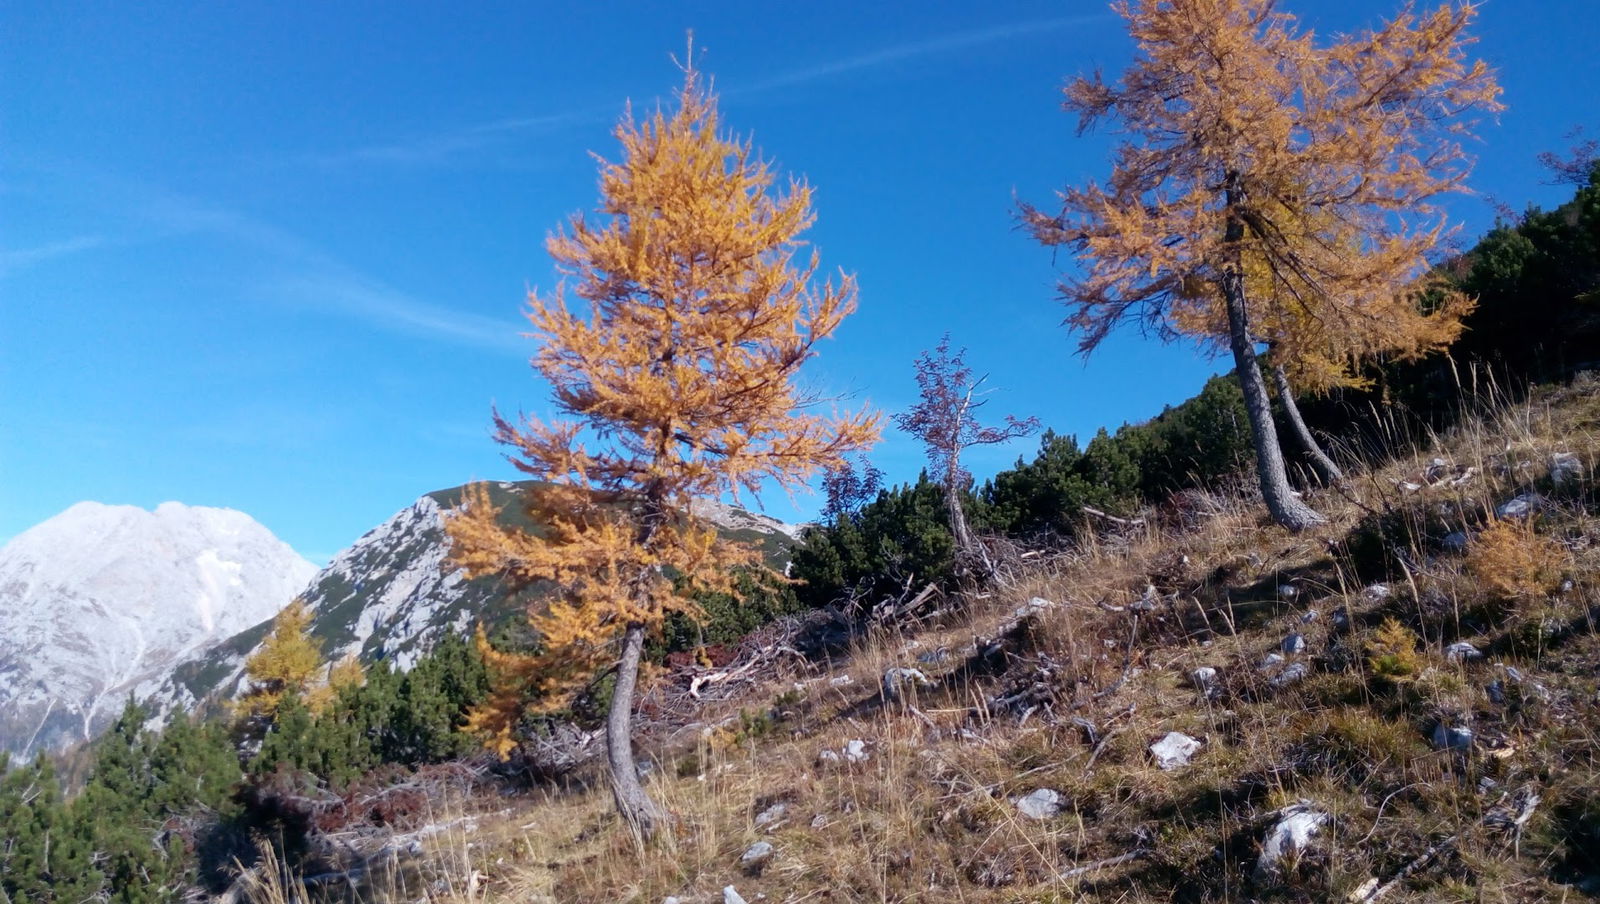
(1041, 804)
(1288, 591)
(1462, 651)
(1147, 602)
(1341, 618)
(772, 815)
(1455, 541)
(840, 680)
(1496, 690)
(1565, 467)
(1520, 506)
(1292, 833)
(1294, 643)
(1309, 616)
(1174, 751)
(1204, 680)
(1295, 672)
(1452, 737)
(1377, 592)
(933, 657)
(855, 751)
(730, 895)
(755, 857)
(897, 681)
(671, 899)
(1566, 586)
(827, 758)
(1271, 661)
(819, 821)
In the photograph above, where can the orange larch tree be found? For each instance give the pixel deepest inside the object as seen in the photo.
(675, 381)
(1251, 144)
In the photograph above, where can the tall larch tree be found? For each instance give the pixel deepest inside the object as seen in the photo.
(675, 382)
(1315, 344)
(1249, 141)
(945, 418)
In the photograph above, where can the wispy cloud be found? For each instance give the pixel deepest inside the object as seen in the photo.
(297, 272)
(449, 144)
(374, 303)
(440, 147)
(14, 260)
(939, 44)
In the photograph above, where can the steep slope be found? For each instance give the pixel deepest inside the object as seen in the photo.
(103, 601)
(390, 595)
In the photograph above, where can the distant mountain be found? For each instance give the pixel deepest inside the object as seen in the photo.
(103, 601)
(390, 596)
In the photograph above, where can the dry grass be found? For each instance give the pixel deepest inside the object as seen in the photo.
(1106, 671)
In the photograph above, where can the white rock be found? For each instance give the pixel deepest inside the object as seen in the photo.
(827, 758)
(855, 751)
(1174, 751)
(1271, 661)
(1309, 616)
(1041, 804)
(730, 895)
(1520, 506)
(772, 814)
(1294, 643)
(755, 857)
(1565, 467)
(1295, 672)
(1292, 833)
(1462, 651)
(1204, 679)
(840, 680)
(1377, 592)
(1032, 607)
(1288, 591)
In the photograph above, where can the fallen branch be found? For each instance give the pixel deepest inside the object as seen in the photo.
(1125, 522)
(1102, 864)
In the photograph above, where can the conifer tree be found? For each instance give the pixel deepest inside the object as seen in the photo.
(288, 661)
(698, 309)
(1250, 144)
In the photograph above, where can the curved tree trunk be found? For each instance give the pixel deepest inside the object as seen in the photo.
(1326, 469)
(1285, 506)
(642, 813)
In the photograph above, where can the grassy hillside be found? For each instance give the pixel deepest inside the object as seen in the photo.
(1431, 771)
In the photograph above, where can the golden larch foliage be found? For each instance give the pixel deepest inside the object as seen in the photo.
(696, 304)
(1515, 562)
(289, 660)
(1324, 158)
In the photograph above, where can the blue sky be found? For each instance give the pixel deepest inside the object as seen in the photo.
(272, 256)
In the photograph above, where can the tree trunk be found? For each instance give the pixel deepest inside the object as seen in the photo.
(1326, 469)
(642, 813)
(969, 552)
(1286, 508)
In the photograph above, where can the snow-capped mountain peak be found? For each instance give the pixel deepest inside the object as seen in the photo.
(103, 601)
